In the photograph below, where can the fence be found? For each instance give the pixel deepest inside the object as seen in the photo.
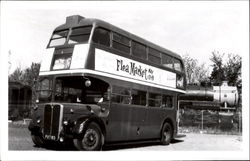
(207, 121)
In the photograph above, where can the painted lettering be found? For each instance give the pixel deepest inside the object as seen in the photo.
(135, 70)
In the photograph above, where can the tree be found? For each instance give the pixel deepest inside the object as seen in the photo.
(218, 73)
(229, 71)
(17, 75)
(27, 76)
(195, 73)
(30, 78)
(233, 70)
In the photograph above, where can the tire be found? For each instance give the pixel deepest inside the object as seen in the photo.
(91, 139)
(37, 140)
(166, 134)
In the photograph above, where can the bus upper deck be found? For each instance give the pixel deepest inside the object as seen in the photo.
(79, 21)
(82, 43)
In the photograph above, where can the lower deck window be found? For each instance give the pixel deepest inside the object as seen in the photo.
(121, 95)
(139, 97)
(167, 101)
(73, 90)
(154, 100)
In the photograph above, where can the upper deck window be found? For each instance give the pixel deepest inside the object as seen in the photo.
(139, 50)
(101, 36)
(80, 35)
(121, 43)
(167, 61)
(177, 64)
(58, 38)
(154, 56)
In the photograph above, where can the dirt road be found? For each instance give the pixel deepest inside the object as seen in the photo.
(19, 139)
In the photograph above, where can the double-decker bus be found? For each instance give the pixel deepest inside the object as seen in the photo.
(100, 85)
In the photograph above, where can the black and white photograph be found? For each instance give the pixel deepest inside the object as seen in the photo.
(124, 80)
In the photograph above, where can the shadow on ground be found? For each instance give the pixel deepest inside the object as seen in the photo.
(136, 145)
(70, 147)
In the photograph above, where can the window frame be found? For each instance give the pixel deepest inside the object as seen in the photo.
(154, 99)
(51, 38)
(127, 96)
(81, 34)
(154, 55)
(109, 33)
(128, 46)
(140, 104)
(172, 101)
(136, 43)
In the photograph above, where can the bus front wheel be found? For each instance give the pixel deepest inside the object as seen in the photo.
(91, 138)
(37, 140)
(166, 134)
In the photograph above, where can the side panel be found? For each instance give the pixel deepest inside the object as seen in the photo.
(156, 117)
(46, 60)
(126, 123)
(79, 57)
(118, 124)
(139, 125)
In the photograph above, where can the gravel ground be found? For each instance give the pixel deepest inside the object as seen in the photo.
(19, 139)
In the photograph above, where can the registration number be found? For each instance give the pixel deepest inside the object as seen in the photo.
(50, 137)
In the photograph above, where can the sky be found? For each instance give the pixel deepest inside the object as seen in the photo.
(194, 28)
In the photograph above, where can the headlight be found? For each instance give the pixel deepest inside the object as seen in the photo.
(65, 123)
(35, 107)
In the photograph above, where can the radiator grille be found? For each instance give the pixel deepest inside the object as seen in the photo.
(52, 121)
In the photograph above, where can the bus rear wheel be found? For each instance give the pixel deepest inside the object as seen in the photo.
(91, 138)
(166, 134)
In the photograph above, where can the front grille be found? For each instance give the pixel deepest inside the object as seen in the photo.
(52, 121)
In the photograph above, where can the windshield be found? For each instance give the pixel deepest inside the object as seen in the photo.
(73, 90)
(70, 36)
(58, 38)
(44, 89)
(80, 35)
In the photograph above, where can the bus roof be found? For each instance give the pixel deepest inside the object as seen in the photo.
(77, 21)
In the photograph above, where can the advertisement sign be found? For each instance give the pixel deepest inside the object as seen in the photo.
(124, 67)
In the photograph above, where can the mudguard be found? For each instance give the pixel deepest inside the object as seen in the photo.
(83, 123)
(80, 126)
(33, 128)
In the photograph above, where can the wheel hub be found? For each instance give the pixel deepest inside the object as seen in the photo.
(90, 138)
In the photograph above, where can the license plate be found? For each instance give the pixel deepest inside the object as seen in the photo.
(50, 137)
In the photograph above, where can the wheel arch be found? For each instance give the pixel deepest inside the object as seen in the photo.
(86, 121)
(171, 122)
